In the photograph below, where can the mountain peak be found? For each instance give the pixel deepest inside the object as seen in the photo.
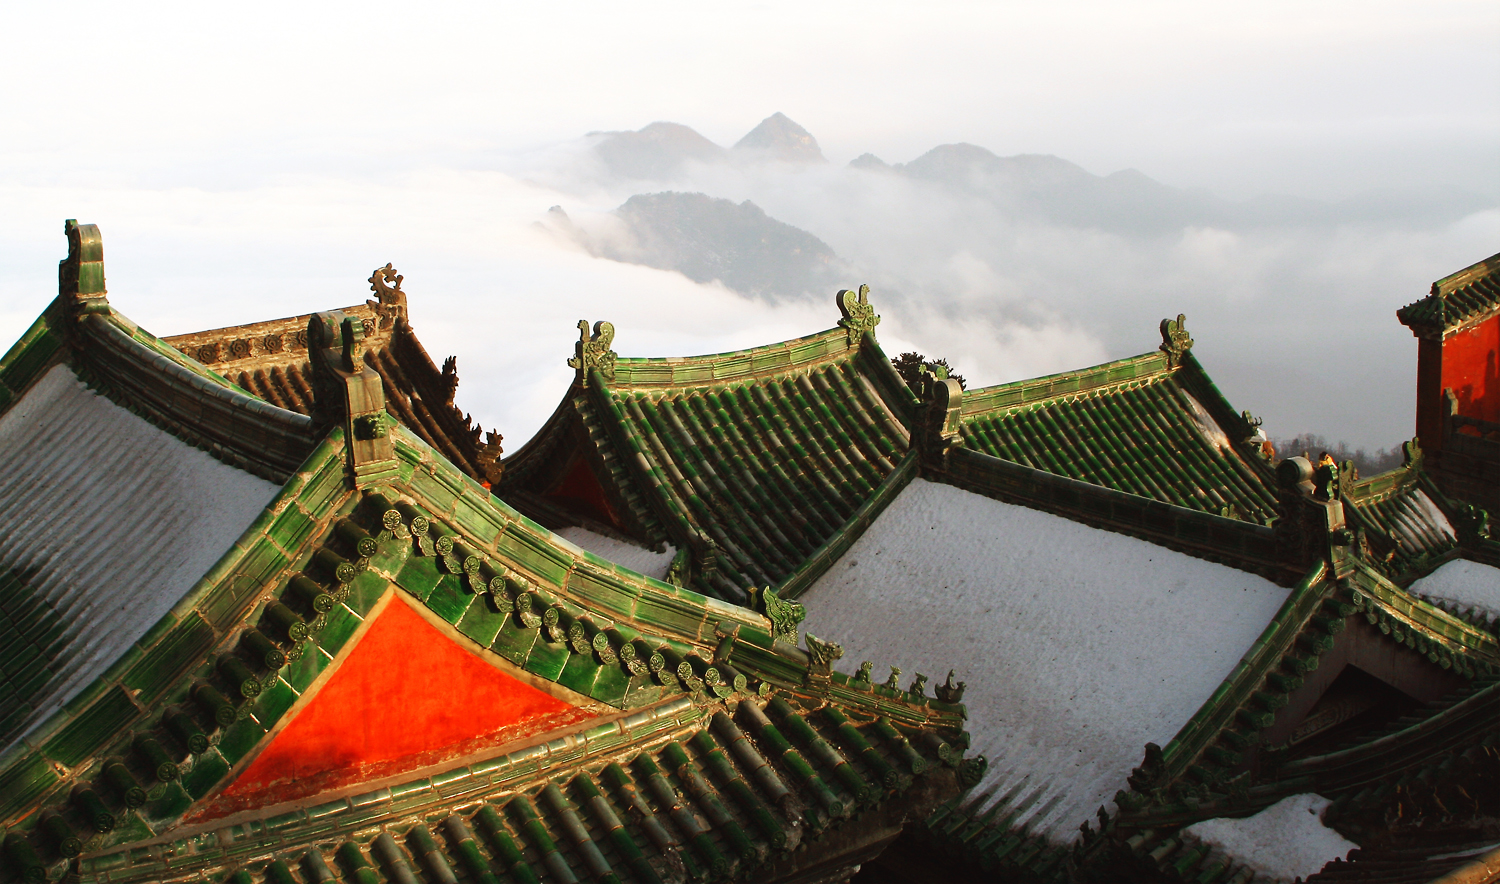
(783, 139)
(655, 152)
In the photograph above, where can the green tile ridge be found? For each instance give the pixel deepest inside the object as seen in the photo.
(1091, 380)
(755, 362)
(1381, 486)
(212, 608)
(539, 829)
(416, 796)
(1427, 621)
(38, 348)
(161, 347)
(1202, 534)
(1217, 712)
(1458, 300)
(815, 565)
(621, 593)
(1238, 704)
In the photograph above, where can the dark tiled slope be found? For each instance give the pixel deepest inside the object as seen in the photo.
(765, 471)
(1140, 437)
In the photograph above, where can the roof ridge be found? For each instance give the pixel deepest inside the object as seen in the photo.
(1467, 276)
(751, 362)
(1105, 376)
(1456, 300)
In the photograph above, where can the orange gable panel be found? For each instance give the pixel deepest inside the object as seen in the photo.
(406, 696)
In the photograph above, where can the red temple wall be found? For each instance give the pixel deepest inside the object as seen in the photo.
(1470, 370)
(406, 696)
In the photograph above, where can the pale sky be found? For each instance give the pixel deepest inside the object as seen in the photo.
(258, 161)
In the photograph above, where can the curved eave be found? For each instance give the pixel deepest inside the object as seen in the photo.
(178, 394)
(1205, 749)
(1469, 296)
(162, 669)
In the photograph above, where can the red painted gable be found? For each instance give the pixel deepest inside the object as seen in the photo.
(405, 696)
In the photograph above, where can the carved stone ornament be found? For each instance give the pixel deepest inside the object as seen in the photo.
(385, 282)
(594, 352)
(239, 348)
(208, 354)
(859, 314)
(1175, 341)
(784, 614)
(272, 343)
(820, 657)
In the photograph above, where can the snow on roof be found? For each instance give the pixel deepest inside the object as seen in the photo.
(109, 521)
(1079, 646)
(636, 558)
(1412, 533)
(1207, 426)
(1465, 584)
(1286, 840)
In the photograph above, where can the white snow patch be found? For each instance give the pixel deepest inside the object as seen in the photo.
(1079, 646)
(1207, 426)
(1465, 584)
(114, 518)
(636, 558)
(1433, 514)
(1286, 840)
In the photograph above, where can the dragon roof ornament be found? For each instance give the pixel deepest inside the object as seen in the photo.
(1175, 341)
(594, 352)
(859, 315)
(385, 282)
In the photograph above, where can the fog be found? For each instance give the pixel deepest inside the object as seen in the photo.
(253, 163)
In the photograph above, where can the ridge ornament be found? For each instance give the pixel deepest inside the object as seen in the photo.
(1175, 341)
(859, 313)
(594, 352)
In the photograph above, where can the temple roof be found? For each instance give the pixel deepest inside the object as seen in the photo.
(80, 469)
(270, 360)
(263, 713)
(1149, 425)
(749, 461)
(1462, 299)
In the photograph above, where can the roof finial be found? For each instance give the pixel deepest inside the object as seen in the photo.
(385, 282)
(590, 353)
(80, 276)
(1174, 340)
(859, 315)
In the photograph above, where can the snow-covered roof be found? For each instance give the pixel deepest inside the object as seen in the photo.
(106, 522)
(1078, 645)
(1286, 840)
(1464, 585)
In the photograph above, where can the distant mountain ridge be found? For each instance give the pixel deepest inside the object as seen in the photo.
(1038, 187)
(707, 239)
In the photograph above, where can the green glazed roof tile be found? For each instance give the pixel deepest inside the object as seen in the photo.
(1467, 296)
(1133, 426)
